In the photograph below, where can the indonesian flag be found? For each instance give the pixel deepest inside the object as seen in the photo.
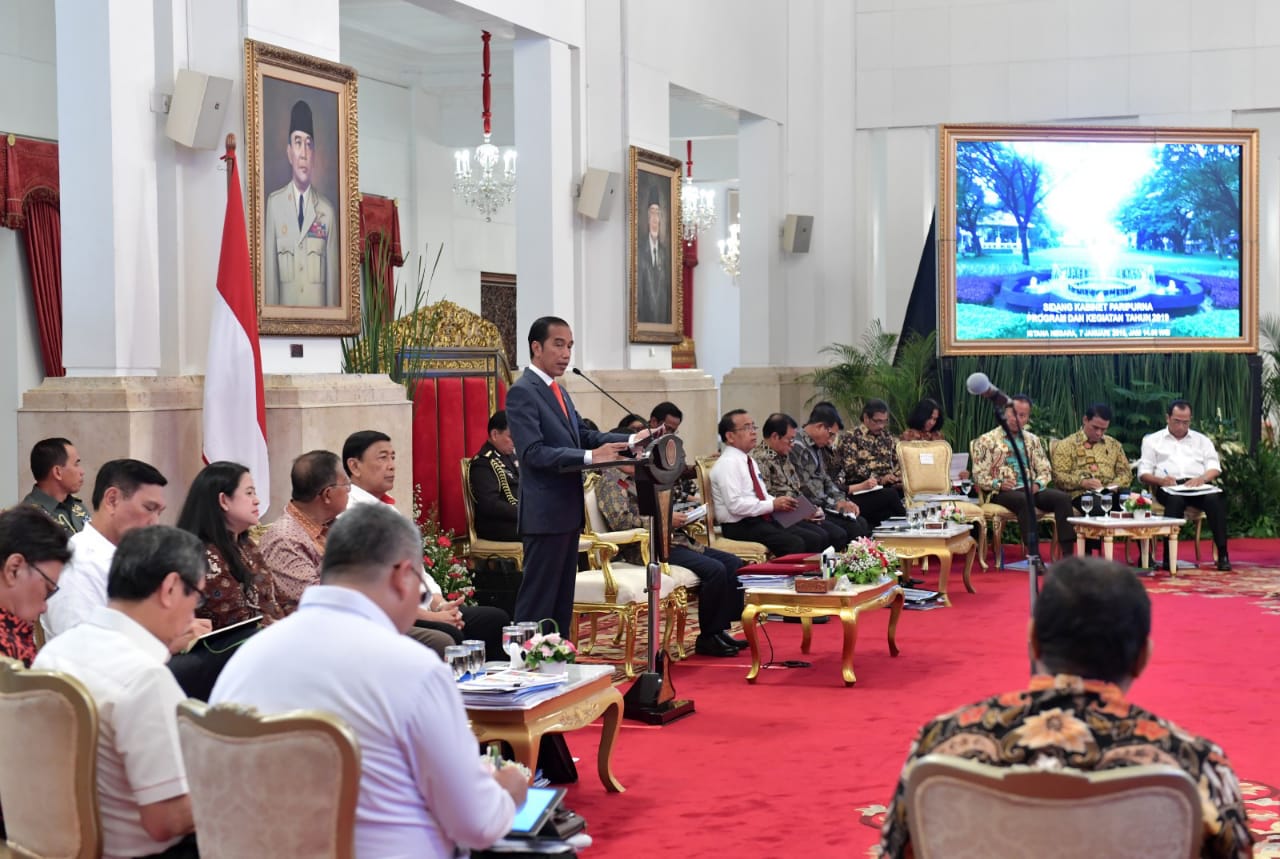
(235, 416)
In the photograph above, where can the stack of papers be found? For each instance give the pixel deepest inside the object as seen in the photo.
(918, 595)
(765, 580)
(1205, 489)
(506, 687)
(694, 514)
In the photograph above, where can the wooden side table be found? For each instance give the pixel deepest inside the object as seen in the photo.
(940, 543)
(845, 605)
(1143, 530)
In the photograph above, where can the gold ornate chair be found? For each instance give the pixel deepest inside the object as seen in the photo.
(683, 582)
(926, 469)
(997, 516)
(477, 548)
(618, 589)
(1140, 811)
(304, 764)
(48, 764)
(749, 552)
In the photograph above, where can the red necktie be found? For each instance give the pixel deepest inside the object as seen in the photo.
(755, 482)
(555, 389)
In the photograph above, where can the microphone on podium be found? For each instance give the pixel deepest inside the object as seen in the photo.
(980, 386)
(583, 375)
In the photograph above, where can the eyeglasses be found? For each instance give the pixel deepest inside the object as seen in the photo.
(201, 596)
(346, 486)
(49, 583)
(425, 596)
(745, 428)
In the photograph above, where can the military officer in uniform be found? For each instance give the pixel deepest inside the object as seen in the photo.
(56, 467)
(301, 258)
(495, 483)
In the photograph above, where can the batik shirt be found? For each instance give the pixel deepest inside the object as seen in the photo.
(815, 483)
(1075, 460)
(227, 601)
(994, 463)
(1069, 722)
(776, 471)
(17, 639)
(616, 497)
(864, 455)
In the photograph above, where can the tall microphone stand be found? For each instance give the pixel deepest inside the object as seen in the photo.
(1030, 534)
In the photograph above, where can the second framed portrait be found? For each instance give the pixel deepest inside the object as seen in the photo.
(304, 201)
(656, 259)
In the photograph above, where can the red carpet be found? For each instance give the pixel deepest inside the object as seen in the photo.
(800, 765)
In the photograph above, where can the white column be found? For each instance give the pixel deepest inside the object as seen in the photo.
(544, 124)
(763, 315)
(107, 165)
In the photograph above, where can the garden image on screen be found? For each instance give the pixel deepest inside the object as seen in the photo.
(1062, 240)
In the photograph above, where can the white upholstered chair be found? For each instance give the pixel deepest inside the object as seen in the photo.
(304, 766)
(961, 809)
(48, 765)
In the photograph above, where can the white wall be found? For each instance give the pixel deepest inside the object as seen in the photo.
(1140, 62)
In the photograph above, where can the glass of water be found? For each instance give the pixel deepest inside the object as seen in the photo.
(512, 639)
(966, 486)
(459, 659)
(530, 629)
(1106, 503)
(1086, 503)
(475, 648)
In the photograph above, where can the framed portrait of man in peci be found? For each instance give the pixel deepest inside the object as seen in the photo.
(303, 185)
(656, 311)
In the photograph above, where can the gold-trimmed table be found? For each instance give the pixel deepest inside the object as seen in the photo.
(1107, 528)
(588, 693)
(846, 605)
(941, 543)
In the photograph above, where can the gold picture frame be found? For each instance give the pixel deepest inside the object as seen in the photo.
(1058, 239)
(306, 268)
(656, 312)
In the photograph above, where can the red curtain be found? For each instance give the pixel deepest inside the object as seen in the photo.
(29, 184)
(380, 242)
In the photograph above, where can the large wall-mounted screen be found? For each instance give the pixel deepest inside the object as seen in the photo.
(1056, 239)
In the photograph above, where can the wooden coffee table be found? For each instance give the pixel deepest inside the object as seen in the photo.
(845, 605)
(1142, 530)
(941, 543)
(588, 694)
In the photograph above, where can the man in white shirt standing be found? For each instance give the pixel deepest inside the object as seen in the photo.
(423, 790)
(743, 508)
(1180, 456)
(119, 653)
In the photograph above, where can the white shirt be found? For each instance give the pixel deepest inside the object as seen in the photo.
(1184, 458)
(422, 787)
(139, 758)
(732, 491)
(83, 585)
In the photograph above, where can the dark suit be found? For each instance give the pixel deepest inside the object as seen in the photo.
(551, 512)
(495, 485)
(653, 298)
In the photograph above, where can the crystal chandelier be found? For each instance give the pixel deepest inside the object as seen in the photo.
(697, 205)
(480, 186)
(729, 252)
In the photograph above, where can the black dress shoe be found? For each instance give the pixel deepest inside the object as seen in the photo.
(1224, 563)
(735, 643)
(709, 644)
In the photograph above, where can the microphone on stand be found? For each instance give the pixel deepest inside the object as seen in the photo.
(625, 410)
(980, 386)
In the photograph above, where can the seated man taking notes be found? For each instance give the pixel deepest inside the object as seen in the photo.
(1178, 456)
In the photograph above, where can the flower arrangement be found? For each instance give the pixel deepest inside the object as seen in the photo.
(951, 513)
(1136, 503)
(438, 559)
(492, 762)
(551, 647)
(865, 562)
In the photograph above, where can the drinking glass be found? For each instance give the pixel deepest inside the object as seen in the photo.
(1086, 503)
(966, 486)
(530, 628)
(459, 659)
(512, 639)
(475, 648)
(1106, 503)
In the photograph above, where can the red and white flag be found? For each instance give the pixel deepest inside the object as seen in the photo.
(235, 415)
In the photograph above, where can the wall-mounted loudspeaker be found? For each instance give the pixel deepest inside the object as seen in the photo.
(796, 232)
(599, 187)
(197, 109)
